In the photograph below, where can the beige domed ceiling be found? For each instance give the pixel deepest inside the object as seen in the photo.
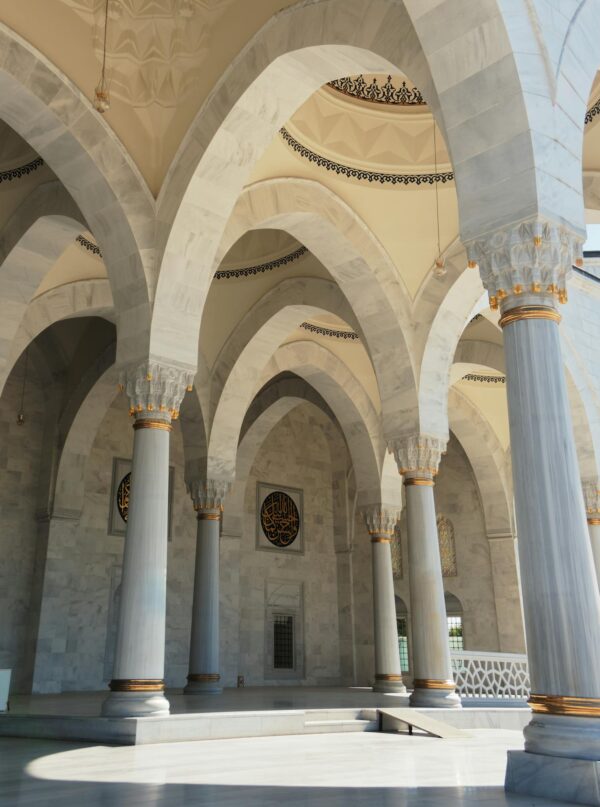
(163, 58)
(370, 139)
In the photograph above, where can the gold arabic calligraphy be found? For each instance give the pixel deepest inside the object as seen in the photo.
(280, 519)
(123, 496)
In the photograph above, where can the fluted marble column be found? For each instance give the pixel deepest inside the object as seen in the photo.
(204, 676)
(418, 458)
(591, 495)
(524, 269)
(388, 672)
(137, 687)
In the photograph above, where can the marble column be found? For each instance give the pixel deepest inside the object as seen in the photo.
(591, 495)
(524, 269)
(418, 458)
(137, 687)
(204, 676)
(388, 672)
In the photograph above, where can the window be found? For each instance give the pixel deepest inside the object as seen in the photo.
(283, 642)
(402, 625)
(455, 632)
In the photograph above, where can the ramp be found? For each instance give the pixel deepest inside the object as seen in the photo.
(390, 718)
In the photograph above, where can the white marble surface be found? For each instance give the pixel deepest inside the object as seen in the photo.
(335, 770)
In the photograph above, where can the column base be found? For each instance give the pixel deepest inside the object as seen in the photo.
(389, 683)
(433, 694)
(135, 704)
(576, 781)
(203, 684)
(563, 736)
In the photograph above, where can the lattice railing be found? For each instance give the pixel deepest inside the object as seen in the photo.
(500, 676)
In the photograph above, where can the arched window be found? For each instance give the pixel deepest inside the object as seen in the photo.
(402, 625)
(454, 615)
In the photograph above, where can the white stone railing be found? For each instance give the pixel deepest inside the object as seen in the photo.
(496, 676)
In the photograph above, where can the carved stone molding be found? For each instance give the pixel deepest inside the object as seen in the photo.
(379, 520)
(155, 387)
(591, 496)
(419, 453)
(532, 257)
(208, 494)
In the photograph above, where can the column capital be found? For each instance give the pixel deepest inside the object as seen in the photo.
(155, 387)
(379, 520)
(418, 454)
(208, 494)
(529, 261)
(591, 497)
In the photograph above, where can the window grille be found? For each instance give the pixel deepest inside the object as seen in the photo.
(402, 624)
(283, 642)
(455, 632)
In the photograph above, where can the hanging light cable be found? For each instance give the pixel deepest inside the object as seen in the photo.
(101, 96)
(439, 269)
(21, 415)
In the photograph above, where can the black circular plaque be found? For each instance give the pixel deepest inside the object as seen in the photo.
(280, 519)
(123, 496)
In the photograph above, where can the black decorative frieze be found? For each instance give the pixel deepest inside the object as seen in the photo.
(337, 334)
(248, 271)
(592, 112)
(485, 379)
(21, 170)
(362, 174)
(88, 245)
(377, 93)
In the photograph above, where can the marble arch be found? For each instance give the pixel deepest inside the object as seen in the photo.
(360, 266)
(36, 234)
(297, 295)
(82, 298)
(349, 402)
(295, 53)
(49, 113)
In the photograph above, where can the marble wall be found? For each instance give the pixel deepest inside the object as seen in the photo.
(20, 460)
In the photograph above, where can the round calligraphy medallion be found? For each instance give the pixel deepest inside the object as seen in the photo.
(123, 496)
(280, 519)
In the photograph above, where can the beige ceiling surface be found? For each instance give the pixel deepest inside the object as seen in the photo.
(490, 400)
(163, 58)
(380, 138)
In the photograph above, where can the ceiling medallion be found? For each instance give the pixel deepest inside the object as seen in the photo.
(334, 332)
(378, 93)
(248, 271)
(21, 170)
(360, 173)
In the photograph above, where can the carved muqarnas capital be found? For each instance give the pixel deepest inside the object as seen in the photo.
(591, 496)
(155, 387)
(533, 256)
(418, 454)
(380, 520)
(208, 494)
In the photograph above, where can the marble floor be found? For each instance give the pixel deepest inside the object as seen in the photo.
(331, 770)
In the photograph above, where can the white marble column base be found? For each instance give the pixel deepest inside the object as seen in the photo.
(576, 781)
(562, 736)
(435, 699)
(135, 704)
(389, 686)
(203, 688)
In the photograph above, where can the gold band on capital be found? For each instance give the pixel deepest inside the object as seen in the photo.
(152, 424)
(419, 481)
(594, 521)
(564, 705)
(388, 677)
(379, 538)
(137, 685)
(529, 312)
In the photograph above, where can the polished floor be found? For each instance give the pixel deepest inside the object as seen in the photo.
(333, 770)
